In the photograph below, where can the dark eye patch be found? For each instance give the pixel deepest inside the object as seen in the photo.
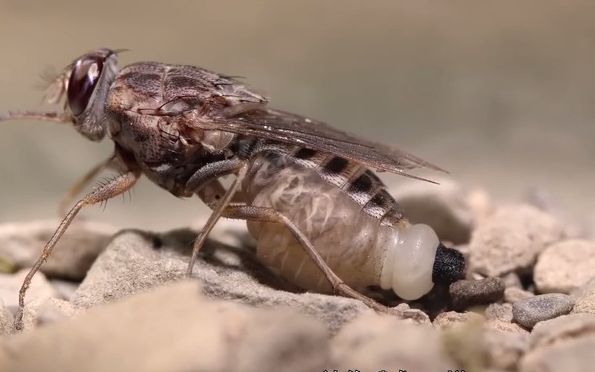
(83, 79)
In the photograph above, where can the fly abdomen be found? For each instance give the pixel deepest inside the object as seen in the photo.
(343, 235)
(350, 219)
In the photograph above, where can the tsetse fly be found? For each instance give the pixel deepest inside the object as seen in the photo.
(321, 217)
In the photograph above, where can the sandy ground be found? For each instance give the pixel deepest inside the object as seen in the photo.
(501, 95)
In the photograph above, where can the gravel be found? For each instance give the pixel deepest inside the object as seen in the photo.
(533, 310)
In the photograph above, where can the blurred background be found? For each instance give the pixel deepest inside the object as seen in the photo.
(502, 94)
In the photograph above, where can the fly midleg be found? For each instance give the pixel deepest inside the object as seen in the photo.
(200, 180)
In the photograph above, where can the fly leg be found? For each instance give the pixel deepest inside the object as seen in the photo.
(78, 187)
(102, 193)
(263, 214)
(202, 178)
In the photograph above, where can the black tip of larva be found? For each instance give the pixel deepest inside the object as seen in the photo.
(449, 265)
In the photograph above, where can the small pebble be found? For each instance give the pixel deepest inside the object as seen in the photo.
(504, 349)
(513, 294)
(562, 328)
(573, 355)
(586, 289)
(450, 318)
(585, 304)
(530, 311)
(511, 238)
(565, 266)
(501, 312)
(465, 293)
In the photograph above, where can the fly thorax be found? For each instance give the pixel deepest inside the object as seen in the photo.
(409, 260)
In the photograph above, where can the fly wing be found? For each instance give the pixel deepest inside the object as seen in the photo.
(316, 135)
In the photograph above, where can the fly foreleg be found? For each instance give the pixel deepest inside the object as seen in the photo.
(263, 214)
(102, 193)
(78, 187)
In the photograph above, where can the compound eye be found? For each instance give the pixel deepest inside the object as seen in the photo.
(83, 79)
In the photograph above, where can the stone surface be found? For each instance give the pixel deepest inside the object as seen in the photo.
(45, 311)
(503, 326)
(373, 342)
(504, 349)
(270, 344)
(10, 284)
(136, 261)
(561, 329)
(465, 293)
(510, 240)
(453, 318)
(501, 312)
(513, 294)
(444, 207)
(574, 355)
(585, 304)
(530, 311)
(172, 328)
(21, 243)
(565, 266)
(586, 289)
(511, 280)
(64, 288)
(6, 320)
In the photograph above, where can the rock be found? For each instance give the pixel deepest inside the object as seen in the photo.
(373, 342)
(45, 311)
(585, 298)
(10, 284)
(465, 344)
(64, 288)
(172, 328)
(504, 349)
(453, 318)
(6, 320)
(510, 240)
(289, 351)
(501, 312)
(465, 293)
(513, 294)
(21, 243)
(502, 326)
(561, 329)
(586, 289)
(574, 355)
(444, 207)
(585, 304)
(512, 280)
(136, 261)
(565, 266)
(269, 344)
(530, 311)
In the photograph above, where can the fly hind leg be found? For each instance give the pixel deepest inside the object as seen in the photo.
(263, 214)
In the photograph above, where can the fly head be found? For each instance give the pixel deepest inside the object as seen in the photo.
(87, 84)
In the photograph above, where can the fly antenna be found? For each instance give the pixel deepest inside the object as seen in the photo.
(56, 117)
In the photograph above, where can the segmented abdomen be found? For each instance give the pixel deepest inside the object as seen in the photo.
(331, 204)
